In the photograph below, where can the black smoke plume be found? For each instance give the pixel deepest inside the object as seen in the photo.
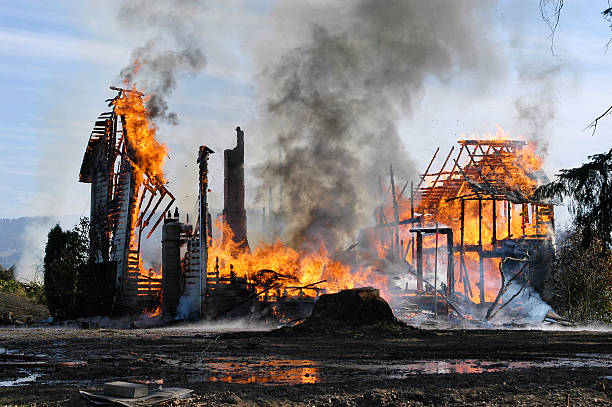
(332, 104)
(536, 109)
(174, 49)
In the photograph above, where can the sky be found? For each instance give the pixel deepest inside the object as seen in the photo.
(59, 58)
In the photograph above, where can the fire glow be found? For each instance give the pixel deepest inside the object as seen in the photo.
(293, 268)
(454, 197)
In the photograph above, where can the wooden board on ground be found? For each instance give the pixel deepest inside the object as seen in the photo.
(154, 397)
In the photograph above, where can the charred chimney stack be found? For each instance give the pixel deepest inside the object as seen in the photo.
(234, 213)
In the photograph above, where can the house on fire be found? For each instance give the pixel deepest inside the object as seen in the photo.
(126, 194)
(479, 204)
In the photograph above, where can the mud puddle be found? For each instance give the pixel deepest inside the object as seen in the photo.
(265, 371)
(276, 371)
(31, 377)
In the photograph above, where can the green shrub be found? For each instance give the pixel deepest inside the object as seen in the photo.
(581, 279)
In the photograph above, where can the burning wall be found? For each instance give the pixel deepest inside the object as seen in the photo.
(123, 162)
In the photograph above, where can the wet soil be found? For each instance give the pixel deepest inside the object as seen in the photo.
(454, 368)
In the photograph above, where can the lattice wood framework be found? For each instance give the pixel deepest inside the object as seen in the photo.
(485, 170)
(124, 206)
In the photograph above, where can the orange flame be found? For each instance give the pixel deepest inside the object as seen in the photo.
(293, 268)
(148, 157)
(146, 152)
(512, 170)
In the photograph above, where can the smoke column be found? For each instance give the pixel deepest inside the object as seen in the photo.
(332, 103)
(537, 109)
(174, 49)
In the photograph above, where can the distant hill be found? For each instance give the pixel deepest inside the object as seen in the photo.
(25, 234)
(12, 235)
(28, 235)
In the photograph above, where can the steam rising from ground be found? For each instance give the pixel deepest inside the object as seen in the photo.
(174, 49)
(332, 103)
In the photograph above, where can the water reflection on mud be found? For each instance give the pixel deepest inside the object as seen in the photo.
(266, 371)
(275, 371)
(20, 381)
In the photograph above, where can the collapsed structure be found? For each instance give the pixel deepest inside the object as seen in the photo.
(463, 229)
(212, 286)
(479, 206)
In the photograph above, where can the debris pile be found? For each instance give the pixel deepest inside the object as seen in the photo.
(355, 312)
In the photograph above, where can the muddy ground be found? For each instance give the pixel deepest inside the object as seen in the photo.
(452, 368)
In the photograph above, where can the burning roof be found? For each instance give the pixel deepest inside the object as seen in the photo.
(483, 169)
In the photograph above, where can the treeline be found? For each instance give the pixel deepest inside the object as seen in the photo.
(581, 278)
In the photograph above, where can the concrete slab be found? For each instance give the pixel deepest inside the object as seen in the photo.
(125, 389)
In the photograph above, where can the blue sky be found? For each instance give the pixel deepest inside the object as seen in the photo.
(59, 57)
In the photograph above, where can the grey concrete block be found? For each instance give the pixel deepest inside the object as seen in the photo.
(125, 389)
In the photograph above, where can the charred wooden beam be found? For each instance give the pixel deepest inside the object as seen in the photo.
(419, 261)
(494, 237)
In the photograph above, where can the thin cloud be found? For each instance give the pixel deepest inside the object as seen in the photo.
(57, 47)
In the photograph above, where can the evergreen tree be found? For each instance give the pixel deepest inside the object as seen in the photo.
(589, 190)
(66, 255)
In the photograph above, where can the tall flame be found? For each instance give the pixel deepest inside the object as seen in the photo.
(148, 157)
(146, 152)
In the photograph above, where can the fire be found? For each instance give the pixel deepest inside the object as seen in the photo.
(148, 157)
(291, 268)
(154, 313)
(147, 153)
(496, 162)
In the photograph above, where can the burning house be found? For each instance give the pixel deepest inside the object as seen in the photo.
(467, 232)
(471, 228)
(123, 164)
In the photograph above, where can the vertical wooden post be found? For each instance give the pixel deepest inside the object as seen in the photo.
(412, 217)
(380, 212)
(523, 214)
(482, 278)
(509, 219)
(419, 261)
(450, 265)
(397, 253)
(494, 237)
(461, 250)
(480, 222)
(436, 276)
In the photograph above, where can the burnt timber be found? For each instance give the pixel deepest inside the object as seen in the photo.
(123, 206)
